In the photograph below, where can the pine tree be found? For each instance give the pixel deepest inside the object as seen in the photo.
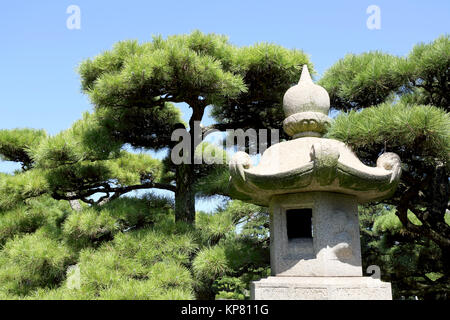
(401, 104)
(412, 264)
(136, 84)
(74, 165)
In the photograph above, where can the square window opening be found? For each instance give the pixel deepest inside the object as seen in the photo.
(299, 223)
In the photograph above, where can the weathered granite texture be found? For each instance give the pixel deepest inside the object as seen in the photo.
(313, 164)
(334, 249)
(306, 97)
(310, 163)
(320, 288)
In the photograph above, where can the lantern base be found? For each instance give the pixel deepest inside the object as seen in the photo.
(320, 288)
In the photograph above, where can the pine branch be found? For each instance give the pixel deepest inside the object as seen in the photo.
(118, 191)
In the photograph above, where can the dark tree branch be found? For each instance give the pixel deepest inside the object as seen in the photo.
(106, 188)
(218, 126)
(424, 229)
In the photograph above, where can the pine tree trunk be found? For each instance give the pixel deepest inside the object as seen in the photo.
(184, 195)
(445, 250)
(74, 204)
(185, 176)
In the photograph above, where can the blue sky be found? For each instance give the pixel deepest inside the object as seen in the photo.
(40, 88)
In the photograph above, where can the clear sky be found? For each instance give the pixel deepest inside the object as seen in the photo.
(40, 88)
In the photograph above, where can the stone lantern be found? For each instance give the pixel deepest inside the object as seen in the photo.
(313, 186)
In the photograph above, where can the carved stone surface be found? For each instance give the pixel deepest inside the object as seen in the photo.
(320, 288)
(323, 180)
(313, 164)
(306, 96)
(306, 124)
(310, 163)
(334, 249)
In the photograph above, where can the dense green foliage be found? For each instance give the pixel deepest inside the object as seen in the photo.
(420, 130)
(413, 265)
(32, 261)
(14, 145)
(400, 104)
(422, 77)
(77, 163)
(134, 87)
(358, 81)
(428, 73)
(113, 247)
(128, 248)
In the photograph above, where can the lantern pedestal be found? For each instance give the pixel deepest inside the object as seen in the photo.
(320, 288)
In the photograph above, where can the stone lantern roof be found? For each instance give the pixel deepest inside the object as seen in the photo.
(308, 162)
(306, 107)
